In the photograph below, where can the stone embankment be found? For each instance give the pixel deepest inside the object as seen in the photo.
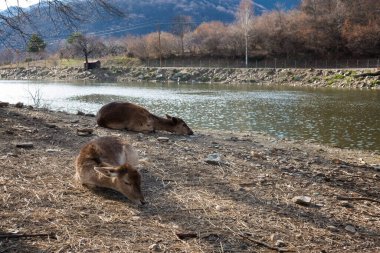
(290, 77)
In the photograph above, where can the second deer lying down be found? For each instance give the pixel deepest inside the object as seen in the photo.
(124, 115)
(109, 163)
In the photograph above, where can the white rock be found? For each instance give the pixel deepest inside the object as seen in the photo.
(155, 247)
(163, 139)
(302, 200)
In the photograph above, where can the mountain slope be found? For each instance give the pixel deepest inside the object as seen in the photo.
(144, 16)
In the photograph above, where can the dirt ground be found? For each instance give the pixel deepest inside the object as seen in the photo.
(244, 204)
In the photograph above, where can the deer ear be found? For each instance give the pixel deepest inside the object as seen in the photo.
(175, 120)
(107, 171)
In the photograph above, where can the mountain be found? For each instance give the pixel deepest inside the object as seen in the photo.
(143, 16)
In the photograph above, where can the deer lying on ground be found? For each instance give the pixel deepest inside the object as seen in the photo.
(108, 162)
(124, 115)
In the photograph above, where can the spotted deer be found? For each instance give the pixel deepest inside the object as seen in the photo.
(124, 115)
(108, 162)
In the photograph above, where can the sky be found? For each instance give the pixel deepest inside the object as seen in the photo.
(21, 3)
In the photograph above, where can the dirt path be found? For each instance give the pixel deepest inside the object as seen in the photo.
(244, 204)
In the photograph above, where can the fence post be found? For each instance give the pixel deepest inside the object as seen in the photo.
(256, 62)
(377, 64)
(367, 63)
(275, 63)
(265, 63)
(295, 64)
(200, 63)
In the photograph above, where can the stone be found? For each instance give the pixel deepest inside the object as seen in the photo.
(50, 150)
(163, 139)
(350, 228)
(302, 200)
(215, 159)
(280, 243)
(140, 136)
(155, 247)
(84, 131)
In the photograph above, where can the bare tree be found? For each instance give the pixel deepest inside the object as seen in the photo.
(244, 18)
(18, 22)
(84, 45)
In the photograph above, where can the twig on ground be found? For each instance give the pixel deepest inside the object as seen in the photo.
(357, 198)
(8, 236)
(260, 243)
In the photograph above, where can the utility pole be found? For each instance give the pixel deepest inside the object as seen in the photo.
(159, 43)
(246, 36)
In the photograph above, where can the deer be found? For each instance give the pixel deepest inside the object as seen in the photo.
(132, 117)
(109, 162)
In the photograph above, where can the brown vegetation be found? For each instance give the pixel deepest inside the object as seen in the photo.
(318, 29)
(322, 28)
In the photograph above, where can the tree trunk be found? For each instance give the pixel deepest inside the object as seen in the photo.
(86, 60)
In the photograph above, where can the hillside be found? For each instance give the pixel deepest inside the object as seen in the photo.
(142, 17)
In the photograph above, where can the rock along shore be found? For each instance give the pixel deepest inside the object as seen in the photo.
(288, 77)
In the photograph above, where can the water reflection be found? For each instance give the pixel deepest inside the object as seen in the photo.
(339, 117)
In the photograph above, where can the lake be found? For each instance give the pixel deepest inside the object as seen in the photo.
(342, 118)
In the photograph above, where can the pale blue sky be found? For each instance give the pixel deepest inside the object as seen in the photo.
(21, 3)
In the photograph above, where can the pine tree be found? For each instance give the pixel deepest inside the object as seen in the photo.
(36, 44)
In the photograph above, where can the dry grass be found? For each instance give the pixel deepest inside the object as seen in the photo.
(245, 206)
(53, 61)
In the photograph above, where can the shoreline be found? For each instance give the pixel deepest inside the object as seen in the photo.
(335, 78)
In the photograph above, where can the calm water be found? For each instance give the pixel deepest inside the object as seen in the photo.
(345, 118)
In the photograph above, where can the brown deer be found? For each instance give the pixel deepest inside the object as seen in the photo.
(108, 162)
(124, 115)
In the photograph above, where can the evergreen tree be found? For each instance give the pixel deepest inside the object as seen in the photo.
(36, 44)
